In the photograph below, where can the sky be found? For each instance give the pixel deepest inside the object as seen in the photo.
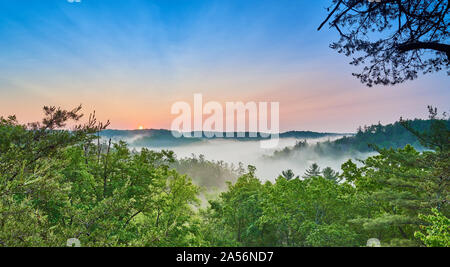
(130, 60)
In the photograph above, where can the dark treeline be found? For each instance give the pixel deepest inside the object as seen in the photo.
(57, 184)
(165, 138)
(382, 136)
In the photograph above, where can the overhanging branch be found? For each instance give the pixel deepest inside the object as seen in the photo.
(422, 45)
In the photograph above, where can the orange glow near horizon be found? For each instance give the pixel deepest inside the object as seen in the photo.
(141, 127)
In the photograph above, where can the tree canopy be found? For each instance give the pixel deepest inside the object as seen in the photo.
(394, 40)
(58, 184)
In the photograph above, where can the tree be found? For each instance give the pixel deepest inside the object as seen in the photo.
(311, 212)
(57, 184)
(437, 230)
(312, 171)
(211, 175)
(437, 137)
(288, 174)
(332, 235)
(330, 174)
(393, 39)
(404, 183)
(236, 213)
(33, 195)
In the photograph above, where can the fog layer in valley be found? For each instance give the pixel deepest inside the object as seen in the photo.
(250, 153)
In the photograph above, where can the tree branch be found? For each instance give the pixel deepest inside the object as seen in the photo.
(422, 45)
(329, 15)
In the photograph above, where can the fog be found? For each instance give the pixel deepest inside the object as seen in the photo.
(250, 153)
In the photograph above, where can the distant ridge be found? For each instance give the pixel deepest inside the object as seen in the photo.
(164, 137)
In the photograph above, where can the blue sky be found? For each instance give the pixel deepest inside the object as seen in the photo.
(130, 60)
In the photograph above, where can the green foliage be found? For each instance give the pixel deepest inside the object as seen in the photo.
(57, 184)
(289, 175)
(333, 235)
(437, 230)
(404, 183)
(396, 135)
(312, 171)
(312, 212)
(238, 209)
(330, 174)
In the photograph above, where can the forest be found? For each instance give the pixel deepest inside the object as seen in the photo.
(68, 177)
(367, 139)
(57, 184)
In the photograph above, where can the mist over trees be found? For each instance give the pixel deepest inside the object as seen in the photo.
(58, 184)
(394, 135)
(107, 188)
(210, 174)
(163, 138)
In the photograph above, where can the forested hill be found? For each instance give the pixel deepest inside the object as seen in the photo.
(164, 138)
(309, 134)
(384, 136)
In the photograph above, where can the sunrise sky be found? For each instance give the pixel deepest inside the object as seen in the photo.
(130, 60)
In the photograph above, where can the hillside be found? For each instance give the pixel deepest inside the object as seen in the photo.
(164, 138)
(384, 136)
